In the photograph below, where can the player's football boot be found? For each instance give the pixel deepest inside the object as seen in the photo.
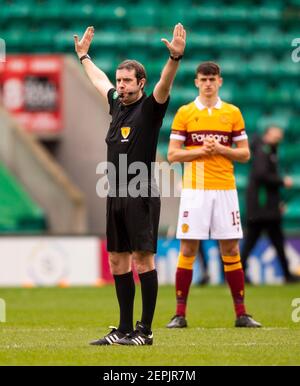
(139, 337)
(177, 322)
(113, 336)
(246, 321)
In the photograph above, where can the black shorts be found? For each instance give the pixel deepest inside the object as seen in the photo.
(132, 223)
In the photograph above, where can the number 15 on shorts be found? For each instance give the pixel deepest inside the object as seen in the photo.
(236, 218)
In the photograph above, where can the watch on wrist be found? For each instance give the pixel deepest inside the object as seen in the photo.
(177, 58)
(84, 57)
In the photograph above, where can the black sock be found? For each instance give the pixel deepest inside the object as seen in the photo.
(125, 289)
(149, 286)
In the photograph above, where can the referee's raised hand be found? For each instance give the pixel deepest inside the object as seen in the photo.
(82, 46)
(177, 45)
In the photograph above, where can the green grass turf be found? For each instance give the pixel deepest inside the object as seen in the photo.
(52, 326)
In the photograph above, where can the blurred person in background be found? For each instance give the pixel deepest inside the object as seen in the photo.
(264, 207)
(132, 222)
(204, 279)
(202, 136)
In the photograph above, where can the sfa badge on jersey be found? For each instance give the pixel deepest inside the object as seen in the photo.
(125, 131)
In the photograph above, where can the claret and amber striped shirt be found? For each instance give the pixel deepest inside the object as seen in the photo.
(194, 122)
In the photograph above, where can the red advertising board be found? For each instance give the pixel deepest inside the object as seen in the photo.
(31, 89)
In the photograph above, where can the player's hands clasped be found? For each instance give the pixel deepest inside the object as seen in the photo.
(82, 46)
(208, 146)
(177, 45)
(211, 147)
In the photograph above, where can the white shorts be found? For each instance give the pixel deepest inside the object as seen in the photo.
(205, 214)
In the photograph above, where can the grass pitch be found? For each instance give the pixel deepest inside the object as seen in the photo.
(52, 326)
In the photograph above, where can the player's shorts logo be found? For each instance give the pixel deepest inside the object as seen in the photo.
(125, 131)
(185, 228)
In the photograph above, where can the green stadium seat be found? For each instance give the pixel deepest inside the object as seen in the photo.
(279, 97)
(14, 12)
(252, 115)
(270, 13)
(232, 65)
(107, 39)
(18, 213)
(296, 177)
(288, 69)
(138, 47)
(14, 40)
(241, 181)
(233, 14)
(110, 17)
(293, 130)
(256, 91)
(294, 2)
(241, 171)
(162, 149)
(142, 17)
(229, 90)
(167, 19)
(107, 64)
(183, 96)
(292, 216)
(289, 154)
(208, 3)
(278, 4)
(281, 118)
(55, 11)
(260, 65)
(203, 13)
(85, 12)
(166, 128)
(197, 42)
(237, 29)
(230, 42)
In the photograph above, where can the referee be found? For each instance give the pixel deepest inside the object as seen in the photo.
(132, 220)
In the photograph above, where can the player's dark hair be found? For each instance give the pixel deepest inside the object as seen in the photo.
(128, 64)
(208, 68)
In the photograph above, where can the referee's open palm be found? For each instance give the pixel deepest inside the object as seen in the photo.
(82, 46)
(177, 45)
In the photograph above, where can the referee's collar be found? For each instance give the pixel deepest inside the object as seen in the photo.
(200, 106)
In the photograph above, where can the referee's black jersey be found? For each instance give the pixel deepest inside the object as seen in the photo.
(133, 132)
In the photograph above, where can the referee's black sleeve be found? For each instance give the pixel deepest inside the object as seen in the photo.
(113, 99)
(159, 109)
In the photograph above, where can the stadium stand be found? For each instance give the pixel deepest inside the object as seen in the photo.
(36, 195)
(18, 212)
(251, 41)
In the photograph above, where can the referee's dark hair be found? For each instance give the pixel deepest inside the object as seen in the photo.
(208, 68)
(129, 64)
